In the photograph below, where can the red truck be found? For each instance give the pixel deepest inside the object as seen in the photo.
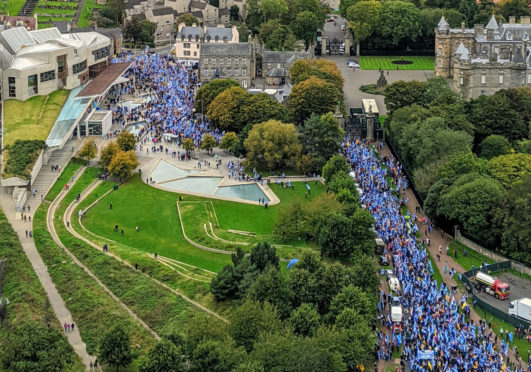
(494, 287)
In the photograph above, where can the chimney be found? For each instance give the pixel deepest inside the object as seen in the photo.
(512, 20)
(524, 20)
(463, 26)
(68, 27)
(490, 35)
(479, 29)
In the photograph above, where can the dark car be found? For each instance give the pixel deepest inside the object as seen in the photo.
(384, 261)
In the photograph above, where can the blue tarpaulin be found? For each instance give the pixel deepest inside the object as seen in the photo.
(292, 262)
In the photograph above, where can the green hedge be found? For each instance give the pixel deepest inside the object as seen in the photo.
(22, 156)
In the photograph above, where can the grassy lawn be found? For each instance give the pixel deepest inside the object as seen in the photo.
(48, 19)
(155, 213)
(384, 62)
(27, 299)
(86, 13)
(12, 7)
(32, 119)
(162, 310)
(472, 257)
(68, 172)
(41, 11)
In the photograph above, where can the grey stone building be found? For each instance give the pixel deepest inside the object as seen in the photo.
(236, 61)
(484, 59)
(277, 64)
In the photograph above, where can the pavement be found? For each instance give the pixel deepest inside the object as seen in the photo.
(355, 78)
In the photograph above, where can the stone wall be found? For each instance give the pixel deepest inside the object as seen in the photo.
(490, 254)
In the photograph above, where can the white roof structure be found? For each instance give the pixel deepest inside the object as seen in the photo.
(460, 49)
(17, 38)
(443, 25)
(369, 105)
(44, 35)
(492, 25)
(464, 55)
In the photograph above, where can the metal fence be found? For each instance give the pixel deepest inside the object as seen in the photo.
(484, 305)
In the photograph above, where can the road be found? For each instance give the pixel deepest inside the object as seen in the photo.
(520, 288)
(355, 78)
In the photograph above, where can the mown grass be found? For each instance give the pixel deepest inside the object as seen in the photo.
(86, 13)
(12, 7)
(23, 119)
(472, 258)
(161, 309)
(385, 63)
(63, 179)
(92, 309)
(41, 11)
(22, 288)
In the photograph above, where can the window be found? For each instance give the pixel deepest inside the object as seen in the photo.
(244, 72)
(244, 60)
(101, 53)
(205, 72)
(228, 60)
(195, 54)
(32, 85)
(229, 71)
(500, 78)
(187, 53)
(60, 66)
(221, 61)
(483, 79)
(269, 65)
(483, 92)
(79, 67)
(439, 51)
(278, 65)
(236, 72)
(47, 76)
(12, 87)
(525, 36)
(439, 63)
(205, 61)
(197, 45)
(213, 61)
(528, 78)
(461, 81)
(509, 36)
(186, 45)
(236, 61)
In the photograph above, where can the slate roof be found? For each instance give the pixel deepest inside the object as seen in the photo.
(139, 17)
(220, 32)
(278, 72)
(492, 25)
(132, 3)
(282, 57)
(163, 11)
(189, 30)
(226, 49)
(197, 14)
(197, 4)
(224, 11)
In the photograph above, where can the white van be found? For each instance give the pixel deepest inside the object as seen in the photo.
(394, 284)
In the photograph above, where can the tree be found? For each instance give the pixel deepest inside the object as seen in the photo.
(188, 145)
(126, 141)
(363, 18)
(273, 145)
(88, 151)
(234, 13)
(188, 19)
(334, 235)
(264, 255)
(251, 319)
(312, 95)
(404, 93)
(511, 167)
(258, 108)
(273, 9)
(115, 348)
(225, 284)
(33, 346)
(357, 338)
(147, 34)
(254, 17)
(322, 136)
(280, 37)
(210, 90)
(364, 272)
(108, 153)
(215, 356)
(335, 165)
(272, 287)
(305, 27)
(223, 110)
(116, 10)
(399, 21)
(344, 5)
(471, 201)
(229, 142)
(341, 181)
(321, 68)
(514, 8)
(305, 320)
(123, 164)
(290, 221)
(494, 145)
(461, 163)
(132, 29)
(352, 297)
(328, 282)
(208, 143)
(513, 221)
(164, 356)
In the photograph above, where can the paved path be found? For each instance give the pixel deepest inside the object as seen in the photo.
(56, 301)
(439, 238)
(68, 217)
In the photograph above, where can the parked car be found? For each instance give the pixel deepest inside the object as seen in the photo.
(353, 63)
(384, 261)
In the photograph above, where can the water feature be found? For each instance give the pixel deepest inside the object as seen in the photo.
(201, 185)
(247, 192)
(165, 171)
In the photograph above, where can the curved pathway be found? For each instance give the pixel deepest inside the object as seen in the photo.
(67, 217)
(51, 228)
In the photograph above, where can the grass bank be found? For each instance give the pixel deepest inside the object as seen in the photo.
(386, 63)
